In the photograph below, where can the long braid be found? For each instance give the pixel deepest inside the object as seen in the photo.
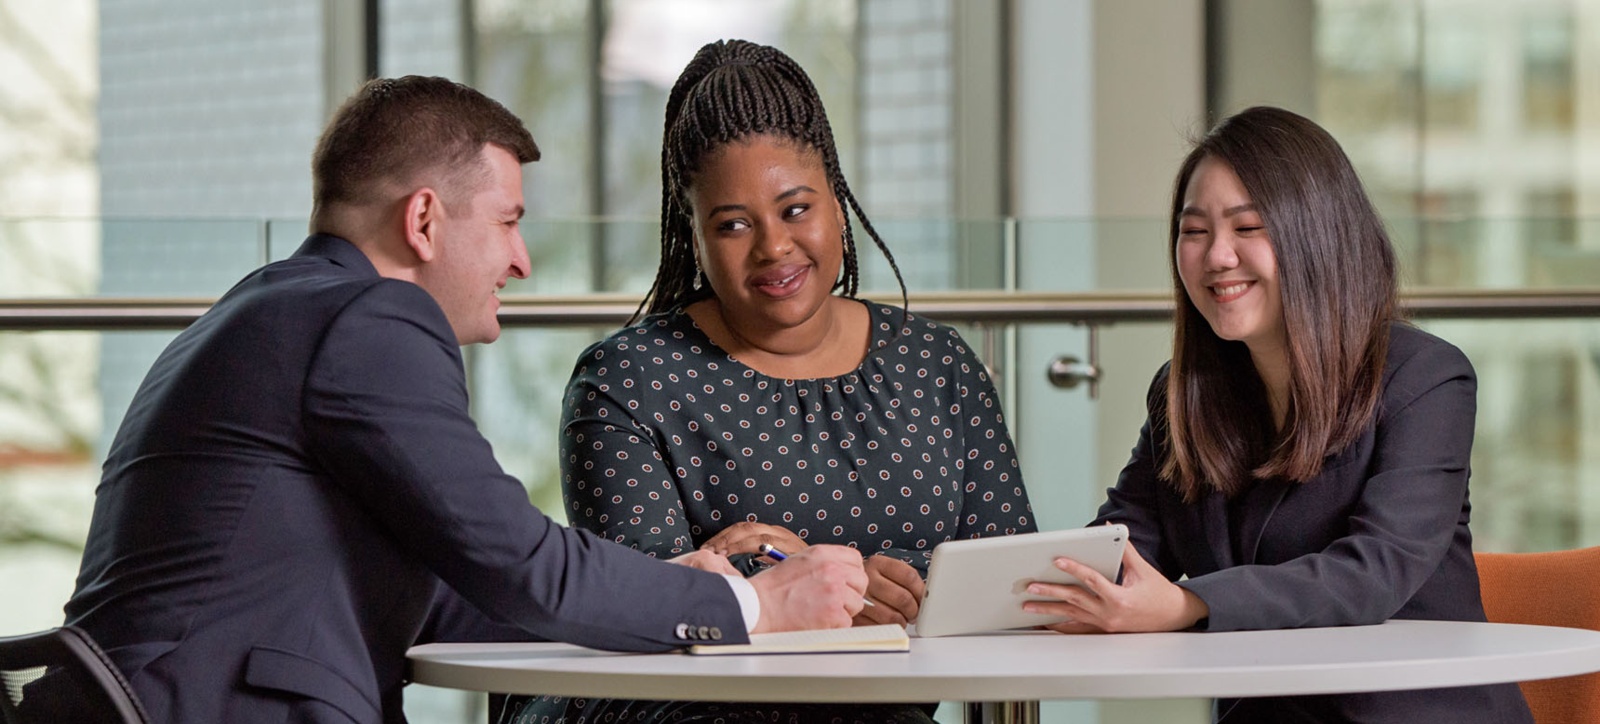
(731, 90)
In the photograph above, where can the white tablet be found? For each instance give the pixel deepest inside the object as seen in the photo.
(980, 585)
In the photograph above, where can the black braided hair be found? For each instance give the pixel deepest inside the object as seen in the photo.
(734, 89)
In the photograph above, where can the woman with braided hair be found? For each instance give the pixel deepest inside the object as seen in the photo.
(754, 400)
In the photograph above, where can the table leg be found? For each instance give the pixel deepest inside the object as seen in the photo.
(1002, 712)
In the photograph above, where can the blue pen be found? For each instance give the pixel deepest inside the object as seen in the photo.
(777, 555)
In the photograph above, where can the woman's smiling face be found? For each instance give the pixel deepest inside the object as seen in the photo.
(1226, 261)
(768, 231)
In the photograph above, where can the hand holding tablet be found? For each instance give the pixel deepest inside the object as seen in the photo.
(981, 585)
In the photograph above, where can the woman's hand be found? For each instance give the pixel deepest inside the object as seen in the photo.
(895, 589)
(747, 538)
(706, 561)
(1145, 601)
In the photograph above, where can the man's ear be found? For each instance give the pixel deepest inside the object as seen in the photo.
(422, 215)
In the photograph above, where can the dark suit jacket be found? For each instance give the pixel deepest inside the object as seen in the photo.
(293, 479)
(1381, 533)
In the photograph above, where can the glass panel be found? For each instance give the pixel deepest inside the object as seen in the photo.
(1536, 460)
(48, 131)
(648, 43)
(54, 427)
(208, 111)
(421, 37)
(175, 258)
(1548, 46)
(1462, 110)
(534, 57)
(1540, 252)
(49, 257)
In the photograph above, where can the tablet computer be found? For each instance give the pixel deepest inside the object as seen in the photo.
(980, 585)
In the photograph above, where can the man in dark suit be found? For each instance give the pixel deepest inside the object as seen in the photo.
(298, 472)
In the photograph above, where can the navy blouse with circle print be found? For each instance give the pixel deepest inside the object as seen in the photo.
(666, 440)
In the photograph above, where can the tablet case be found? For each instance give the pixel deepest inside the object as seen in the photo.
(980, 585)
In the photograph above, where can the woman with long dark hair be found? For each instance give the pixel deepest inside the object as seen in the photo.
(1305, 460)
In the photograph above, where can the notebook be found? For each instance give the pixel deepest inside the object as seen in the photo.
(980, 585)
(882, 637)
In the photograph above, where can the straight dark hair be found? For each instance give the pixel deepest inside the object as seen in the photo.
(733, 90)
(1336, 273)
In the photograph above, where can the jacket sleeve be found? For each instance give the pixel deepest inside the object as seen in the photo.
(386, 414)
(453, 619)
(1134, 501)
(1412, 496)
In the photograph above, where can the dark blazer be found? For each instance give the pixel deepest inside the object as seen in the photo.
(1381, 533)
(292, 481)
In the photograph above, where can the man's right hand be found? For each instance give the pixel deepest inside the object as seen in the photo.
(818, 587)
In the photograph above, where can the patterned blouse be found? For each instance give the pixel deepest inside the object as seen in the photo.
(666, 440)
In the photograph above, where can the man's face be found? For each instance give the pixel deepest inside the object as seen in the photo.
(478, 247)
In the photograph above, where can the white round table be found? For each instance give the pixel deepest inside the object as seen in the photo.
(1030, 666)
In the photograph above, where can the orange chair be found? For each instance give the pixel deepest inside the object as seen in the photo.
(1561, 588)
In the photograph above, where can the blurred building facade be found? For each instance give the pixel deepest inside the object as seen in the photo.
(161, 148)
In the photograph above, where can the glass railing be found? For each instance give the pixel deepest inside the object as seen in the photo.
(85, 305)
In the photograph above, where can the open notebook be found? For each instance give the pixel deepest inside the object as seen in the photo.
(883, 637)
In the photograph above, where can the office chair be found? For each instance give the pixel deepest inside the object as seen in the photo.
(1560, 588)
(77, 683)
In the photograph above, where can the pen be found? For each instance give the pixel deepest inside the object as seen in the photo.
(777, 555)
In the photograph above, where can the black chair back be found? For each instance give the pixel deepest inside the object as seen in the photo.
(61, 676)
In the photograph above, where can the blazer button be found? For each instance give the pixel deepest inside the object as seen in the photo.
(682, 631)
(716, 634)
(702, 633)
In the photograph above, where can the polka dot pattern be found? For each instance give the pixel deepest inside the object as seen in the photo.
(666, 440)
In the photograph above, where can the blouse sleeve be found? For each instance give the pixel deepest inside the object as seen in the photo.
(615, 478)
(993, 500)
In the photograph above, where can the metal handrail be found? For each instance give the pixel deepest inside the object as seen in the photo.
(987, 307)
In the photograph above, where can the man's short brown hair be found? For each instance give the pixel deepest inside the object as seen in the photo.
(394, 130)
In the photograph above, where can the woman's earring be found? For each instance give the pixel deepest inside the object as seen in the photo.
(697, 275)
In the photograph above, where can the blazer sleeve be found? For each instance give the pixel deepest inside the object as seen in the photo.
(386, 415)
(1135, 500)
(1412, 494)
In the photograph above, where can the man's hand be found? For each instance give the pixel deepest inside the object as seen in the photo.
(706, 561)
(747, 537)
(1146, 601)
(895, 589)
(817, 587)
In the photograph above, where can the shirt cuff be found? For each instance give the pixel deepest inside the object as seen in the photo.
(749, 602)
